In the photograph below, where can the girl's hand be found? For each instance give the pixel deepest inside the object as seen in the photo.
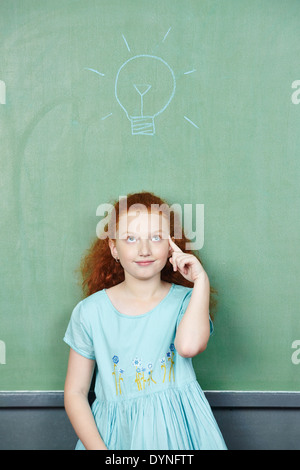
(188, 265)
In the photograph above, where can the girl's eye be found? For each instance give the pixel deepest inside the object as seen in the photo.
(156, 238)
(131, 239)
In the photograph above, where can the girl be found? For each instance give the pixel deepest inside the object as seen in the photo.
(145, 316)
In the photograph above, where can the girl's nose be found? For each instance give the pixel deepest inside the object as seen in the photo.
(144, 247)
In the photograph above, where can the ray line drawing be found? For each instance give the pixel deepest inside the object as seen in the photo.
(126, 42)
(165, 37)
(93, 70)
(191, 122)
(105, 117)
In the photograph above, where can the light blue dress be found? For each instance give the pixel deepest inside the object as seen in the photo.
(147, 395)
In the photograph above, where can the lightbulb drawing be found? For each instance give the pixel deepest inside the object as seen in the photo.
(144, 87)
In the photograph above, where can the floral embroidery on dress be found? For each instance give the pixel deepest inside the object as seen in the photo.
(139, 370)
(118, 378)
(170, 358)
(150, 371)
(163, 366)
(144, 375)
(140, 379)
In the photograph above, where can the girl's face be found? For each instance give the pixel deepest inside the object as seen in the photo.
(142, 244)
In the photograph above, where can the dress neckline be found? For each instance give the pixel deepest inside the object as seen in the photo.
(124, 315)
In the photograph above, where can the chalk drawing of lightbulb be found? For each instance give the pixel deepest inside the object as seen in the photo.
(144, 88)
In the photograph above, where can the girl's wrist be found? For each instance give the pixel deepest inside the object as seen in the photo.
(201, 279)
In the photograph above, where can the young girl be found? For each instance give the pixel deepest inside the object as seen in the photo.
(146, 315)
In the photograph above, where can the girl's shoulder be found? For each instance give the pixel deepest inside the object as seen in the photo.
(93, 300)
(178, 295)
(182, 290)
(91, 310)
(89, 306)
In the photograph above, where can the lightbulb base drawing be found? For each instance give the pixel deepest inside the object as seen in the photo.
(143, 125)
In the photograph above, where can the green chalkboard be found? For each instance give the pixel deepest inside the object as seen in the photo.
(214, 119)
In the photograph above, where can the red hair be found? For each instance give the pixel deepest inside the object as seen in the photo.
(99, 270)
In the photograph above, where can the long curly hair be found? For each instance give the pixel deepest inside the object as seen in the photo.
(98, 268)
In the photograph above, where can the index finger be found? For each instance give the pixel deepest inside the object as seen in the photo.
(174, 246)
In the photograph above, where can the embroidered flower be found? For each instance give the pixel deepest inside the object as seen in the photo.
(163, 367)
(170, 356)
(115, 359)
(137, 362)
(117, 373)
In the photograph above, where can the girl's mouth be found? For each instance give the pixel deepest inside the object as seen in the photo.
(144, 263)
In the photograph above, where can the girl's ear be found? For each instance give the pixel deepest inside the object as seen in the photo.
(113, 249)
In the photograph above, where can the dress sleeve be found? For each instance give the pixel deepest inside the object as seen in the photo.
(77, 335)
(184, 306)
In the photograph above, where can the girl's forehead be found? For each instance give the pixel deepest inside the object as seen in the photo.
(143, 222)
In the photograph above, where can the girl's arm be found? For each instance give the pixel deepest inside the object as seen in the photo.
(194, 329)
(77, 385)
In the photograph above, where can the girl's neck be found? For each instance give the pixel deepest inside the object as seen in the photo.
(143, 289)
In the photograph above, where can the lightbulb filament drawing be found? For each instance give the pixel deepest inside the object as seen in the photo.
(144, 87)
(138, 89)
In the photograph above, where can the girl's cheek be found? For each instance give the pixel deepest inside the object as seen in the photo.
(163, 251)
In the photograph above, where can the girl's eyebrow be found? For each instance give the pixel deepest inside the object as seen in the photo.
(128, 234)
(160, 231)
(164, 234)
(134, 234)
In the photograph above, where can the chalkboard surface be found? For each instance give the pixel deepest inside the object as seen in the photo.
(212, 118)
